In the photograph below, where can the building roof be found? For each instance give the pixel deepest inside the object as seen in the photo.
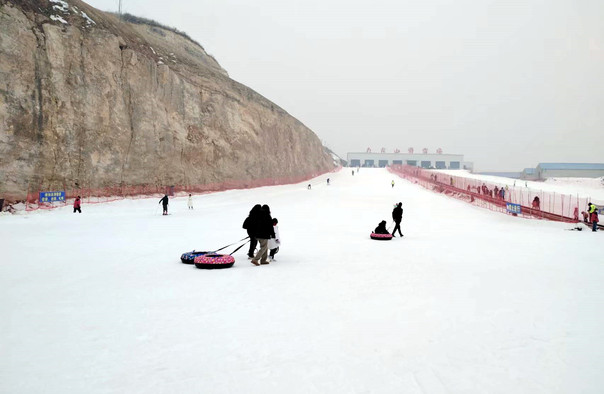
(529, 171)
(571, 166)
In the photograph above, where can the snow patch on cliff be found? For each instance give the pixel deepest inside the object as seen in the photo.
(62, 5)
(57, 18)
(88, 20)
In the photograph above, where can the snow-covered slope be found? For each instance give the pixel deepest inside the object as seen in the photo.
(469, 301)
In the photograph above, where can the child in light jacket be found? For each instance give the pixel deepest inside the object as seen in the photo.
(274, 243)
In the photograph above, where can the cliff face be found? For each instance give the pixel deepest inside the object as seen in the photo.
(89, 101)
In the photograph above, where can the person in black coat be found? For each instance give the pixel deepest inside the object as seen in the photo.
(263, 231)
(381, 228)
(397, 216)
(164, 203)
(250, 223)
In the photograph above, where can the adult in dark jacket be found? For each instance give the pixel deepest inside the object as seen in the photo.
(381, 228)
(250, 224)
(397, 216)
(164, 203)
(264, 231)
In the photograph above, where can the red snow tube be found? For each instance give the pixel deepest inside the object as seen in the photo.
(381, 237)
(213, 261)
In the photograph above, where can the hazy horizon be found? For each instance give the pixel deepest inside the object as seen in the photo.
(507, 84)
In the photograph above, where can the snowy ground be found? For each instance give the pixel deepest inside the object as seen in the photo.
(469, 301)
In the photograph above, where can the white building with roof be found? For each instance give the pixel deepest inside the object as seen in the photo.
(574, 170)
(424, 160)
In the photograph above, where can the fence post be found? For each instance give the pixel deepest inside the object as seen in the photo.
(27, 198)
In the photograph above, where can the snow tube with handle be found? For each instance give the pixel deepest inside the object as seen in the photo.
(381, 237)
(189, 257)
(212, 261)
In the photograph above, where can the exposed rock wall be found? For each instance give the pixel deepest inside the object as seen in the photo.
(89, 101)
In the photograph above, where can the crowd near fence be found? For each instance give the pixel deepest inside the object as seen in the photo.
(515, 200)
(40, 198)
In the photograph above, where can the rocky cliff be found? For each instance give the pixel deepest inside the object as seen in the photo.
(87, 100)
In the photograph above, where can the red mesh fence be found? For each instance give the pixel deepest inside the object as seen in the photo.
(108, 194)
(548, 205)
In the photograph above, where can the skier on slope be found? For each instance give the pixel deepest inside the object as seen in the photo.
(397, 216)
(164, 203)
(190, 202)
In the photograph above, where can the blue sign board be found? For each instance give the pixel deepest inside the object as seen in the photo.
(51, 196)
(513, 208)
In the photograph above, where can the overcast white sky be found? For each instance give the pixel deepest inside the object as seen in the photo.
(506, 83)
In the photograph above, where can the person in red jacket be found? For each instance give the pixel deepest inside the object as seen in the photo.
(77, 205)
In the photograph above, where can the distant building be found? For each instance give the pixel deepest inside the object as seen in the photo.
(424, 160)
(575, 170)
(529, 174)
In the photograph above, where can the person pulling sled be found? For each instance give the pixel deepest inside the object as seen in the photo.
(397, 216)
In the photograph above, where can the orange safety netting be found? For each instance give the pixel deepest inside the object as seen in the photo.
(548, 205)
(108, 194)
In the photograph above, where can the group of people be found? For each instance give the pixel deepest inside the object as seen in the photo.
(496, 192)
(592, 213)
(397, 216)
(263, 230)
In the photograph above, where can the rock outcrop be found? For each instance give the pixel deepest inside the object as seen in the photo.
(87, 100)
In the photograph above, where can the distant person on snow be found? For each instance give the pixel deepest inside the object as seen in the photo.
(536, 203)
(250, 223)
(77, 205)
(381, 228)
(274, 243)
(576, 213)
(264, 232)
(190, 202)
(393, 183)
(328, 181)
(164, 203)
(352, 172)
(585, 216)
(397, 216)
(308, 187)
(593, 216)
